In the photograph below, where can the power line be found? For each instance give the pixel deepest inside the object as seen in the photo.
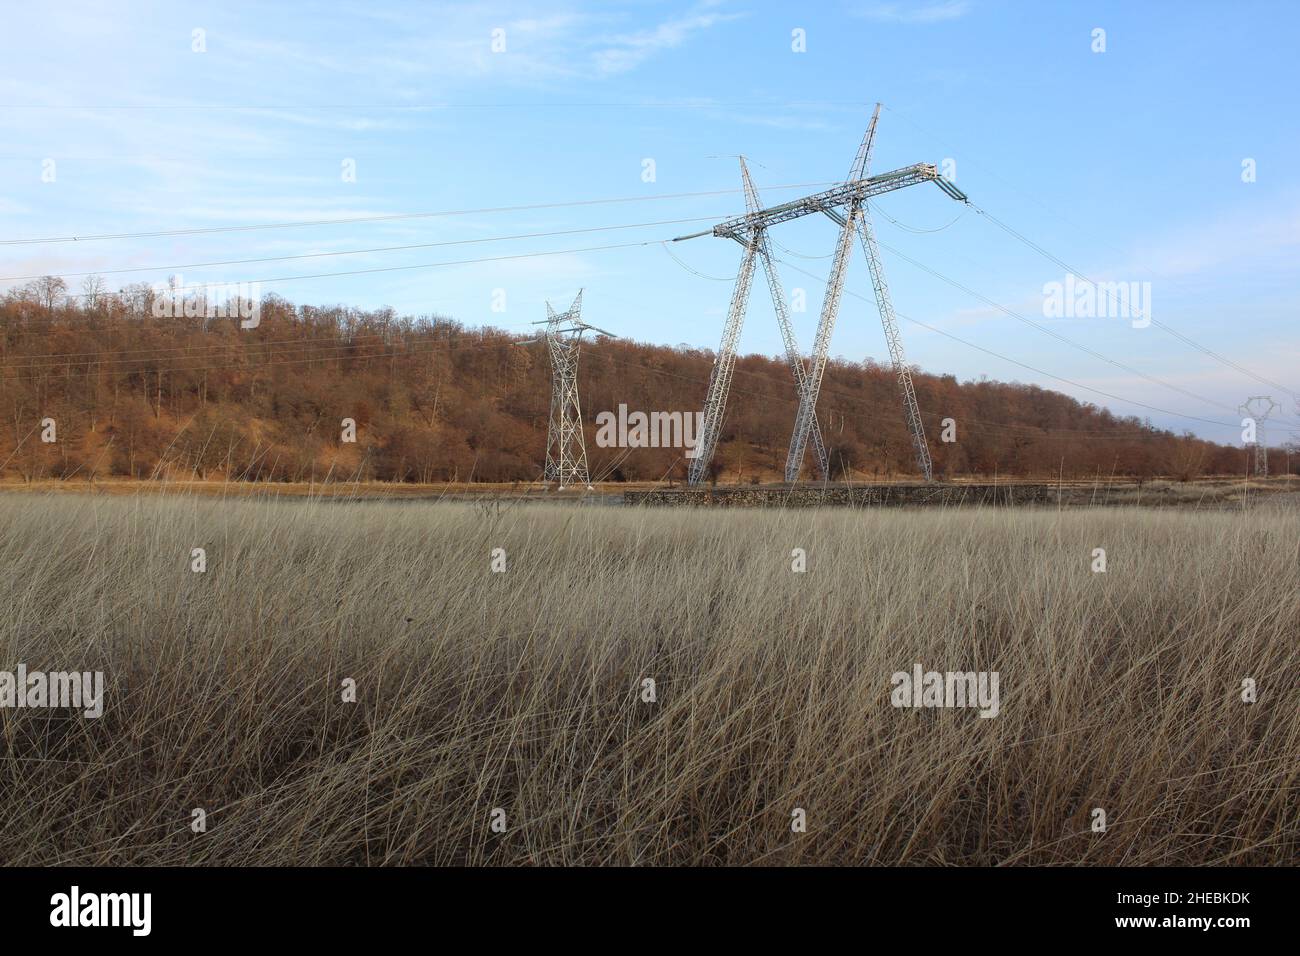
(389, 217)
(913, 229)
(443, 105)
(804, 272)
(667, 247)
(1043, 252)
(1047, 331)
(1056, 335)
(358, 252)
(1111, 296)
(649, 242)
(1039, 371)
(914, 262)
(422, 265)
(1040, 432)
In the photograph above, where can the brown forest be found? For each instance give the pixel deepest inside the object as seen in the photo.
(140, 396)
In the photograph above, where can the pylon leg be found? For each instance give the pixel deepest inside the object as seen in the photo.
(792, 355)
(901, 370)
(807, 416)
(720, 378)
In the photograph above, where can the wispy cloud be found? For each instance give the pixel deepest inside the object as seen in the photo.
(914, 13)
(1249, 238)
(623, 53)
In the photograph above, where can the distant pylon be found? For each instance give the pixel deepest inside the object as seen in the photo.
(566, 448)
(1258, 408)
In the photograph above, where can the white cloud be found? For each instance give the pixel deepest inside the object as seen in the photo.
(1247, 238)
(910, 13)
(624, 53)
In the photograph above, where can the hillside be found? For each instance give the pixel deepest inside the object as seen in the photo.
(137, 396)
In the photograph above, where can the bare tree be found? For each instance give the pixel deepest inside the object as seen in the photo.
(49, 290)
(92, 289)
(1187, 458)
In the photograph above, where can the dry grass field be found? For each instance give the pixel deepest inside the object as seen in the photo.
(523, 690)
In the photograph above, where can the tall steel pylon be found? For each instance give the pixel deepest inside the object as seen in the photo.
(1251, 407)
(846, 205)
(566, 448)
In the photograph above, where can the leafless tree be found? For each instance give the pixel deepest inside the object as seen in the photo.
(49, 290)
(92, 289)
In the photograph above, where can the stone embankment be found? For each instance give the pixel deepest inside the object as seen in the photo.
(854, 497)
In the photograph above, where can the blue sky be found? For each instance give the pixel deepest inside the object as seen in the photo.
(1125, 164)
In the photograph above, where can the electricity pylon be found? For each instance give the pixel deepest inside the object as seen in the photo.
(846, 205)
(1251, 408)
(566, 449)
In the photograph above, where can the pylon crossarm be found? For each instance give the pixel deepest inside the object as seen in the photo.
(720, 378)
(892, 338)
(844, 194)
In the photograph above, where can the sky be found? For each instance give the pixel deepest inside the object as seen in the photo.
(1158, 152)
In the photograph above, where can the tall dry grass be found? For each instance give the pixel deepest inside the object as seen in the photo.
(522, 690)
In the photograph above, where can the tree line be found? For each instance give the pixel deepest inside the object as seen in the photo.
(133, 393)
